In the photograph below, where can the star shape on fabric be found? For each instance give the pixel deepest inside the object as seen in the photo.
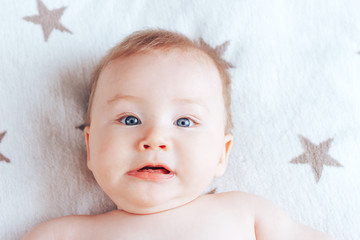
(316, 156)
(218, 51)
(213, 191)
(2, 157)
(48, 19)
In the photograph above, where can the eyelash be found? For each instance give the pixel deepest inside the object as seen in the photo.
(123, 117)
(126, 115)
(193, 121)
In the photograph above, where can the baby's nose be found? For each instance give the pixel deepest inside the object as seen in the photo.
(154, 139)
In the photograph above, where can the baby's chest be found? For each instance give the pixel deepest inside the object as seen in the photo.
(200, 228)
(181, 228)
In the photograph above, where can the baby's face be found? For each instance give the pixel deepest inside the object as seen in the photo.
(157, 137)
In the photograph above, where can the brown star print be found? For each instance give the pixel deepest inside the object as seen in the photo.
(213, 191)
(48, 19)
(2, 157)
(218, 50)
(316, 156)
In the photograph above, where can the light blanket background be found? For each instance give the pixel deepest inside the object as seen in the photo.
(296, 98)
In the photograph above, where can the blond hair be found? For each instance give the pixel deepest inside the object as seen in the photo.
(147, 40)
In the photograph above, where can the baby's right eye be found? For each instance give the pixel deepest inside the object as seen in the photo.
(130, 120)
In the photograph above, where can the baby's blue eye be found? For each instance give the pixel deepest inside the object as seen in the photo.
(130, 120)
(184, 122)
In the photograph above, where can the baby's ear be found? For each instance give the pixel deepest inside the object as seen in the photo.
(87, 136)
(228, 140)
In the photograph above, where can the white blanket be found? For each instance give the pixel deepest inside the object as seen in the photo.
(296, 102)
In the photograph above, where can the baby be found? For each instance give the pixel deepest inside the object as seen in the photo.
(158, 131)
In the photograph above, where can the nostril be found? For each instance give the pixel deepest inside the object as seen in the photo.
(149, 146)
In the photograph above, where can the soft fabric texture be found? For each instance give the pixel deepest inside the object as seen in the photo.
(296, 102)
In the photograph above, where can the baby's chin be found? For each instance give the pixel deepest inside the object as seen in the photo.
(140, 209)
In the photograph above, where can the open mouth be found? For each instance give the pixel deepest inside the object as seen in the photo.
(152, 173)
(155, 169)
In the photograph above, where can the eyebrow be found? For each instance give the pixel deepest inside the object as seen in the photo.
(119, 97)
(192, 101)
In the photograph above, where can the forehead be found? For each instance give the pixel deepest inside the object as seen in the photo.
(174, 72)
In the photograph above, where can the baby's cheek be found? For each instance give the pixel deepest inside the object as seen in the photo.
(195, 167)
(109, 160)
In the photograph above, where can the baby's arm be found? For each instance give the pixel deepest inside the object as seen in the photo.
(271, 223)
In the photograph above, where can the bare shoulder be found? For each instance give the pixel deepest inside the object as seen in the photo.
(270, 221)
(234, 196)
(237, 203)
(59, 228)
(240, 199)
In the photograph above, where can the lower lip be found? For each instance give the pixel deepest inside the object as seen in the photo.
(151, 176)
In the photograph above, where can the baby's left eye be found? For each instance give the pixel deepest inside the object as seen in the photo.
(184, 122)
